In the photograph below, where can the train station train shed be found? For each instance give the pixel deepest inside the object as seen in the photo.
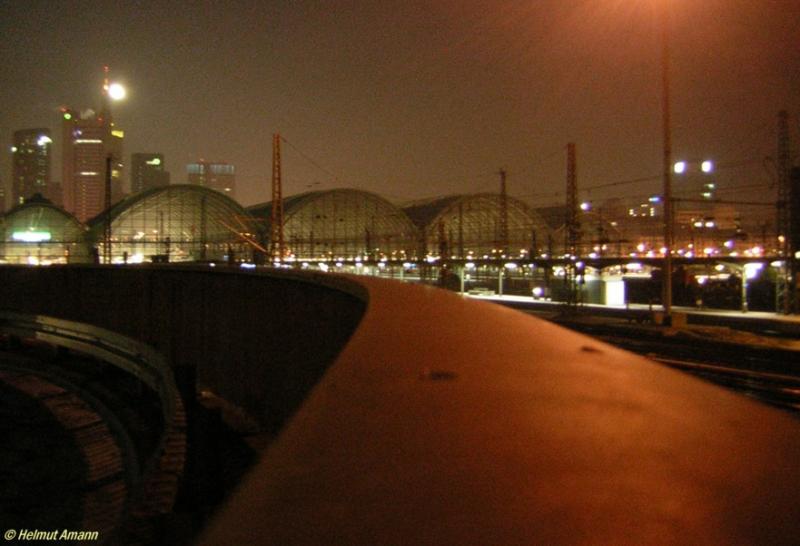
(40, 233)
(478, 226)
(343, 224)
(176, 223)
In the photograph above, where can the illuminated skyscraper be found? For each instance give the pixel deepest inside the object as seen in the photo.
(147, 171)
(88, 139)
(31, 154)
(217, 176)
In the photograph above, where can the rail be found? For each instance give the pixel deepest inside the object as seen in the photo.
(129, 355)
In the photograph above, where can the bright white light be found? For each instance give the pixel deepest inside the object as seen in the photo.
(44, 140)
(710, 224)
(707, 166)
(586, 206)
(31, 236)
(323, 267)
(247, 266)
(679, 167)
(538, 291)
(510, 266)
(751, 270)
(655, 199)
(615, 292)
(729, 244)
(116, 91)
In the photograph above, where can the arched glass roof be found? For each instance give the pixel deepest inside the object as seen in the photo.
(38, 215)
(40, 232)
(463, 226)
(177, 223)
(343, 224)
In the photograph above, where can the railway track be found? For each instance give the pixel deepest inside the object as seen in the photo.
(105, 426)
(769, 375)
(782, 391)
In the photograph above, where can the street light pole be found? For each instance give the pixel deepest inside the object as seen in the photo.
(667, 166)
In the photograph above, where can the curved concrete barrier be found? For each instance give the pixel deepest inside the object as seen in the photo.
(448, 421)
(261, 341)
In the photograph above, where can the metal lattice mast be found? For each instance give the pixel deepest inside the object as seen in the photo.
(503, 214)
(203, 229)
(572, 224)
(669, 219)
(276, 245)
(107, 220)
(783, 301)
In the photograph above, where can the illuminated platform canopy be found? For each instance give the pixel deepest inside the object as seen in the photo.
(176, 223)
(343, 224)
(470, 226)
(38, 232)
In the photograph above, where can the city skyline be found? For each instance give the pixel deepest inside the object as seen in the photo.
(418, 99)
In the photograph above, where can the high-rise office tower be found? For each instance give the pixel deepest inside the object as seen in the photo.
(55, 193)
(88, 139)
(217, 176)
(147, 171)
(31, 153)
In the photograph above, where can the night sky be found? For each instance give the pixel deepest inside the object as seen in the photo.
(414, 99)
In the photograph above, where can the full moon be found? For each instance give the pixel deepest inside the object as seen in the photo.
(116, 91)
